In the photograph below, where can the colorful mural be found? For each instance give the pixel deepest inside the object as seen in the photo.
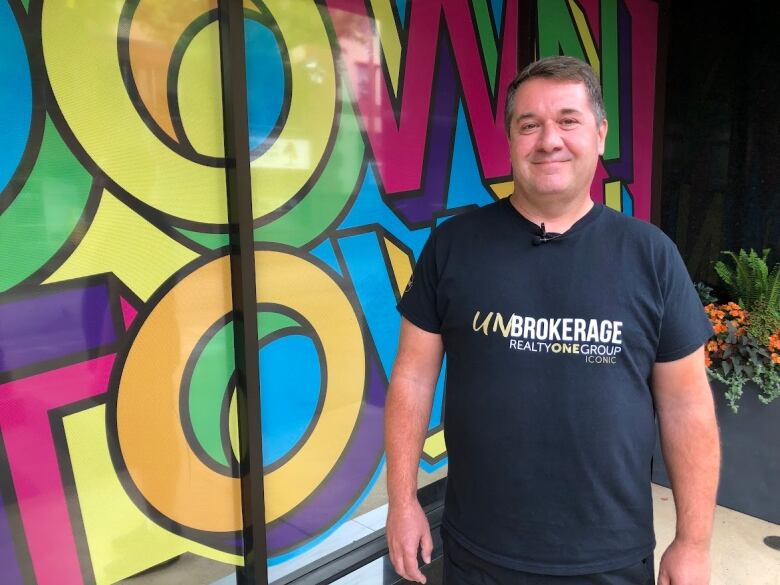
(370, 122)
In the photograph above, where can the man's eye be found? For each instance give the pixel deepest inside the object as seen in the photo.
(569, 122)
(528, 126)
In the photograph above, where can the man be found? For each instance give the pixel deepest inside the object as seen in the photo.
(567, 326)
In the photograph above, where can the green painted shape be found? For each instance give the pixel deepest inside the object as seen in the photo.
(557, 31)
(45, 212)
(486, 39)
(269, 322)
(207, 240)
(26, 4)
(331, 193)
(210, 378)
(209, 382)
(610, 83)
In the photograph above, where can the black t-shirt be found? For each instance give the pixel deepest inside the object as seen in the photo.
(548, 413)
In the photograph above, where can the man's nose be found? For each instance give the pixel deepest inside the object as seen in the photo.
(549, 137)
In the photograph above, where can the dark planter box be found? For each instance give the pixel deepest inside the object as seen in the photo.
(750, 444)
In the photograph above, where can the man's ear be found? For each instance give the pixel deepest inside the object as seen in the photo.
(602, 132)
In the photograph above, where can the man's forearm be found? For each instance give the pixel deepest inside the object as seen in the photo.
(691, 449)
(407, 411)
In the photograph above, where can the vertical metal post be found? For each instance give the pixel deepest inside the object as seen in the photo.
(242, 267)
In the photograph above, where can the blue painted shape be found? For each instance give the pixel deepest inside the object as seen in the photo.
(290, 387)
(264, 79)
(326, 253)
(401, 5)
(626, 200)
(366, 267)
(466, 187)
(15, 95)
(371, 279)
(370, 209)
(438, 399)
(498, 13)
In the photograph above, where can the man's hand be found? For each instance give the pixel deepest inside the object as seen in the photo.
(407, 531)
(685, 564)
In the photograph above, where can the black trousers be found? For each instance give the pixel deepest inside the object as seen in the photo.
(462, 567)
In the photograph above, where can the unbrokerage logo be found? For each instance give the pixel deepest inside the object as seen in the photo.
(598, 341)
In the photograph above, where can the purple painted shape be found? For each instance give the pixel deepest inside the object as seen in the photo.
(10, 573)
(54, 325)
(424, 206)
(341, 488)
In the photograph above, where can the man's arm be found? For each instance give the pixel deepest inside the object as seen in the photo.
(407, 412)
(691, 449)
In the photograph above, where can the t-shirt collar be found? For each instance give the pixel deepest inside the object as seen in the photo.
(532, 227)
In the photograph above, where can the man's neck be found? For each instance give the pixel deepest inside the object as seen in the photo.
(558, 214)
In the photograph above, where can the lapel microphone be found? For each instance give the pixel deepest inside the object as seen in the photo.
(545, 237)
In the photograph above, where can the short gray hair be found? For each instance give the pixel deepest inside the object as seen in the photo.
(560, 69)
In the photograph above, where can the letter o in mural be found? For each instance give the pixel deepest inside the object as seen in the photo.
(112, 88)
(165, 466)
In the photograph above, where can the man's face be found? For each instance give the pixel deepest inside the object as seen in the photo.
(554, 140)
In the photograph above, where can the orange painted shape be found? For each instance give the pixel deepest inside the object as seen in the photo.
(155, 29)
(153, 445)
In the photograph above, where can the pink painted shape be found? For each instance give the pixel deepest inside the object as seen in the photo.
(129, 312)
(32, 459)
(489, 134)
(597, 186)
(593, 15)
(644, 36)
(398, 144)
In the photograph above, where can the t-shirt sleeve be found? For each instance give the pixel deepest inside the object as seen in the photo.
(419, 301)
(684, 324)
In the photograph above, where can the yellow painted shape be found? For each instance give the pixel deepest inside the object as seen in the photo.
(120, 241)
(235, 446)
(288, 164)
(503, 190)
(122, 541)
(434, 445)
(97, 108)
(80, 54)
(401, 264)
(586, 37)
(388, 38)
(200, 93)
(612, 195)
